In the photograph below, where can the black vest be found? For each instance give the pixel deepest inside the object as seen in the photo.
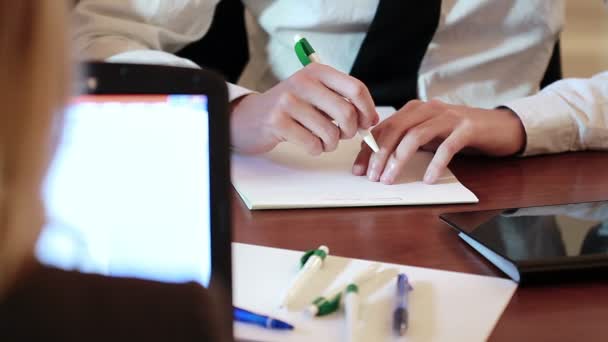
(224, 48)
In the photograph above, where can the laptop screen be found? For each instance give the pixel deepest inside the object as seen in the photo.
(127, 193)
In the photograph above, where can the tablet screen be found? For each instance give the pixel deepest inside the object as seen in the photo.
(127, 193)
(539, 233)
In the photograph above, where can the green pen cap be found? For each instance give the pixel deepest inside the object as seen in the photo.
(326, 307)
(318, 252)
(303, 50)
(352, 288)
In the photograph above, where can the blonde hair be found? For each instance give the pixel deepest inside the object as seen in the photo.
(32, 92)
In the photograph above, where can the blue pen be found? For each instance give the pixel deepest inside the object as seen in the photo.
(245, 316)
(401, 314)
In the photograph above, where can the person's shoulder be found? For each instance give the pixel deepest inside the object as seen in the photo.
(63, 305)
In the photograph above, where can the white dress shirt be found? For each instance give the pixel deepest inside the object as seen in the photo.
(483, 54)
(568, 115)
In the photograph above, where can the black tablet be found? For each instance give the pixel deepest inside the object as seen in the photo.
(139, 186)
(540, 244)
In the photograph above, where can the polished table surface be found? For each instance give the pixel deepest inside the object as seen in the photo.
(415, 236)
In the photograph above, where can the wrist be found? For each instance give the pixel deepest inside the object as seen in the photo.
(517, 132)
(235, 104)
(248, 128)
(235, 113)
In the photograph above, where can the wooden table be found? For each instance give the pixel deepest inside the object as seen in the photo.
(415, 236)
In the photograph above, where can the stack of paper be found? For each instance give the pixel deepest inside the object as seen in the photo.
(288, 177)
(444, 306)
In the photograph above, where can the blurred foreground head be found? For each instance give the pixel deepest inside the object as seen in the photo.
(33, 87)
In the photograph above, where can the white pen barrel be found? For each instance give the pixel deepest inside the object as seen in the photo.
(366, 274)
(359, 279)
(312, 265)
(303, 277)
(314, 57)
(351, 308)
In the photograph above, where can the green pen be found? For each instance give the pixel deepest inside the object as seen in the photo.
(306, 54)
(330, 302)
(351, 309)
(310, 263)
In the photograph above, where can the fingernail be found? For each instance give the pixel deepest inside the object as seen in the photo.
(388, 176)
(373, 175)
(358, 169)
(371, 165)
(372, 172)
(430, 176)
(386, 179)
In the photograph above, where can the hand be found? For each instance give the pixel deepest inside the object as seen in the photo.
(444, 128)
(301, 109)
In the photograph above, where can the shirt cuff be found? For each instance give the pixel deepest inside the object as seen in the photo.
(165, 58)
(236, 91)
(547, 123)
(152, 57)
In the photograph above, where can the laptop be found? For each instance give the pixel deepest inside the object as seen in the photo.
(139, 186)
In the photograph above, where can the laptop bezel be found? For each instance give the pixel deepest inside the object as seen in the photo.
(99, 78)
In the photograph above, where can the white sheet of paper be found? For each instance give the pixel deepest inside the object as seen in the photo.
(287, 177)
(444, 306)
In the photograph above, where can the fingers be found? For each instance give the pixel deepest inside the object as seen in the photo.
(314, 97)
(352, 89)
(362, 160)
(286, 128)
(336, 107)
(416, 125)
(387, 141)
(313, 120)
(392, 131)
(413, 140)
(432, 145)
(455, 142)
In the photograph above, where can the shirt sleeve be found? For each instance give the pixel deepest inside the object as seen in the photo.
(568, 115)
(142, 31)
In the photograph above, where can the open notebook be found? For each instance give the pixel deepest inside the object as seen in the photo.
(444, 306)
(287, 177)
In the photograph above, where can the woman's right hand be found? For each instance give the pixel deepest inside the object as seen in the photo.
(300, 110)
